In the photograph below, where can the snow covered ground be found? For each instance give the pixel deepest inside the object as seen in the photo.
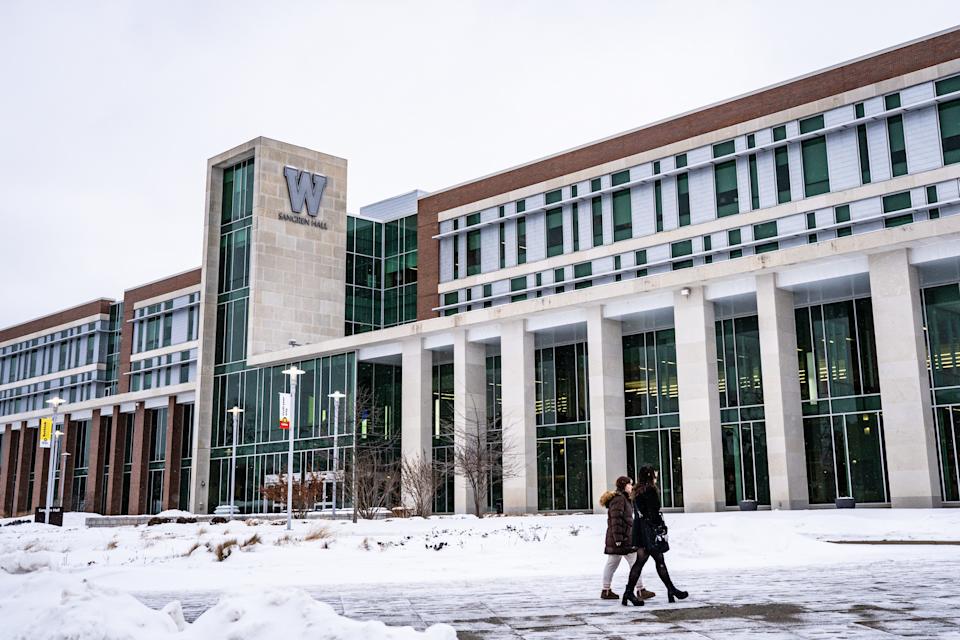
(174, 558)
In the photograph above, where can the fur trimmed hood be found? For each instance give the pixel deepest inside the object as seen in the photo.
(607, 497)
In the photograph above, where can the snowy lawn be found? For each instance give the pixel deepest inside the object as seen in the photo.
(93, 570)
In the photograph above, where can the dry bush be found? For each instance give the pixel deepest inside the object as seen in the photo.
(284, 540)
(319, 533)
(113, 544)
(223, 550)
(251, 541)
(307, 492)
(420, 479)
(193, 547)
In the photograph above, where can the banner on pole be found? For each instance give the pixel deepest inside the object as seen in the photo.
(46, 432)
(285, 410)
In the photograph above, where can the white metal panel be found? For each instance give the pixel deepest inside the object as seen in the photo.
(922, 135)
(879, 151)
(702, 204)
(843, 160)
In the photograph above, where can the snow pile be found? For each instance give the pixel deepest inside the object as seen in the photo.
(52, 606)
(26, 562)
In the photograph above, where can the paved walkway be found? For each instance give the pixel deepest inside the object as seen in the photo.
(890, 600)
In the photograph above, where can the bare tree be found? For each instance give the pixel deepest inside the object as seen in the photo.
(307, 491)
(420, 482)
(479, 456)
(375, 469)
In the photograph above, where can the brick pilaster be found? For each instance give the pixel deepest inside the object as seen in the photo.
(141, 455)
(8, 469)
(114, 488)
(97, 455)
(21, 498)
(174, 455)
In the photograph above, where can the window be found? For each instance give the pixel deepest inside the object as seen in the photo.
(521, 206)
(683, 199)
(682, 248)
(656, 167)
(473, 219)
(595, 184)
(816, 179)
(573, 191)
(725, 178)
(622, 216)
(897, 202)
(751, 141)
(680, 161)
(658, 205)
(487, 294)
(553, 196)
(733, 239)
(762, 232)
(597, 221)
(898, 147)
(864, 153)
(707, 246)
(842, 214)
(934, 213)
(554, 232)
(521, 241)
(500, 211)
(782, 163)
(724, 149)
(811, 124)
(811, 220)
(518, 284)
(621, 177)
(448, 299)
(754, 182)
(779, 133)
(640, 257)
(858, 110)
(582, 270)
(949, 115)
(503, 245)
(576, 226)
(616, 267)
(891, 101)
(456, 252)
(538, 279)
(473, 252)
(558, 276)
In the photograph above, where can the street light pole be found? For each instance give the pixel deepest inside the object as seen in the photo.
(235, 411)
(336, 395)
(293, 372)
(55, 402)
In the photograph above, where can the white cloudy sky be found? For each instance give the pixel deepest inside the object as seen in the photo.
(109, 110)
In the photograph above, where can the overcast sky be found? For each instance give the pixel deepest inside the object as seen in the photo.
(108, 111)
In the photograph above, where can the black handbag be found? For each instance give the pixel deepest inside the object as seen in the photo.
(654, 538)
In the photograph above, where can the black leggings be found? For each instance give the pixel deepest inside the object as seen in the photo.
(637, 567)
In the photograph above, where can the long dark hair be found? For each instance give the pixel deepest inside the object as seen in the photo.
(645, 480)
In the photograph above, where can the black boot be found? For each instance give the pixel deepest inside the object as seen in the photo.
(631, 597)
(676, 593)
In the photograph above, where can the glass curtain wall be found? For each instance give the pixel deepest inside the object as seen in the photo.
(400, 271)
(186, 454)
(364, 266)
(840, 392)
(652, 409)
(741, 411)
(941, 306)
(563, 428)
(443, 435)
(494, 406)
(81, 461)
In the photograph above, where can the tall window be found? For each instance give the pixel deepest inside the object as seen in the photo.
(683, 199)
(754, 182)
(597, 221)
(949, 116)
(554, 232)
(473, 252)
(622, 215)
(576, 227)
(816, 179)
(503, 245)
(658, 204)
(521, 240)
(782, 163)
(725, 178)
(898, 146)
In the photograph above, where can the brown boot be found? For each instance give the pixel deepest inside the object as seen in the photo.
(607, 594)
(643, 594)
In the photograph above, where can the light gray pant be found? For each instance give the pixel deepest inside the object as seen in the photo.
(613, 561)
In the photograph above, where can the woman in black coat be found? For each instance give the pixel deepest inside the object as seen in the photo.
(646, 526)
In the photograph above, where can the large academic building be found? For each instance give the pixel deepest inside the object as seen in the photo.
(761, 298)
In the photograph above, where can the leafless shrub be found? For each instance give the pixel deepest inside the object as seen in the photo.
(420, 481)
(113, 544)
(251, 541)
(196, 545)
(318, 533)
(223, 550)
(307, 492)
(285, 539)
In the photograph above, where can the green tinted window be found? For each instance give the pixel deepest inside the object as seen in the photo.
(582, 270)
(448, 299)
(473, 219)
(782, 163)
(766, 247)
(779, 133)
(931, 194)
(521, 240)
(897, 221)
(892, 101)
(751, 141)
(658, 205)
(841, 214)
(811, 220)
(551, 197)
(597, 221)
(554, 232)
(621, 177)
(858, 110)
(656, 167)
(733, 236)
(725, 179)
(576, 227)
(682, 248)
(864, 154)
(754, 183)
(640, 257)
(816, 179)
(723, 149)
(896, 202)
(595, 184)
(948, 85)
(573, 191)
(681, 161)
(683, 199)
(521, 206)
(811, 124)
(898, 147)
(622, 216)
(949, 113)
(473, 253)
(765, 230)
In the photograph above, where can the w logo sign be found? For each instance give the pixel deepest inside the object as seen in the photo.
(304, 187)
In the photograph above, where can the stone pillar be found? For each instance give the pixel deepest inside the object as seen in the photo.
(141, 455)
(608, 436)
(21, 498)
(416, 435)
(519, 396)
(700, 437)
(786, 454)
(909, 434)
(97, 456)
(40, 469)
(469, 414)
(115, 453)
(8, 470)
(68, 445)
(174, 455)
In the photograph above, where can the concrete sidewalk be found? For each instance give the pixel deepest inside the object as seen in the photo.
(896, 599)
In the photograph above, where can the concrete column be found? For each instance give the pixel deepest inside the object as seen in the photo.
(469, 412)
(700, 437)
(909, 433)
(141, 456)
(608, 436)
(8, 470)
(416, 435)
(68, 444)
(21, 499)
(174, 455)
(519, 398)
(97, 457)
(786, 453)
(115, 453)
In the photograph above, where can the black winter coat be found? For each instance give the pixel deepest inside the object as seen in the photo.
(647, 505)
(619, 523)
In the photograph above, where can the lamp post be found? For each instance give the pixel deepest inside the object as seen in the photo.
(235, 412)
(294, 373)
(336, 396)
(55, 402)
